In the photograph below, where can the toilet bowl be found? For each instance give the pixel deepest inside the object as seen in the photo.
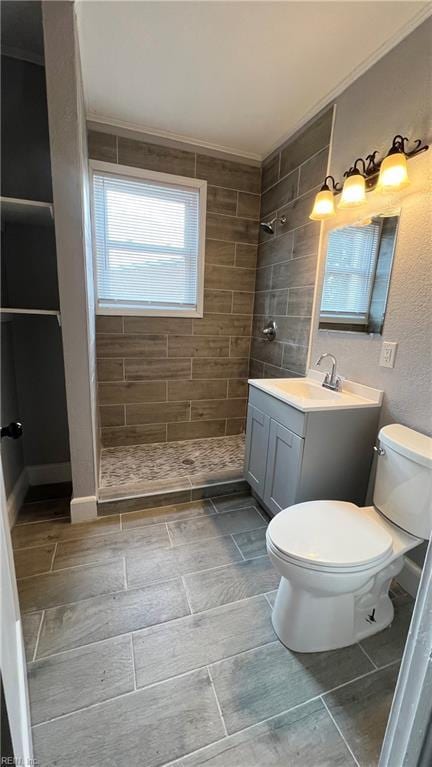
(336, 560)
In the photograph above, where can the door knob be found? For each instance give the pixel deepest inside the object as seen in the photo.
(14, 430)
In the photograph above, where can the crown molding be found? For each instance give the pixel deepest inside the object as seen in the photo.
(168, 138)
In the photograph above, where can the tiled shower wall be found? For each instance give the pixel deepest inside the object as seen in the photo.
(287, 260)
(165, 379)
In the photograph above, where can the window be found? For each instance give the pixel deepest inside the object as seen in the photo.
(149, 232)
(352, 254)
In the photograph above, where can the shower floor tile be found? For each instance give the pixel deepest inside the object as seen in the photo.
(143, 469)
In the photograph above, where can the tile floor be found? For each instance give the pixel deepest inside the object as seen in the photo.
(149, 643)
(139, 469)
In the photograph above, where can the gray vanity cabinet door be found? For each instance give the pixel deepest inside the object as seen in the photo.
(283, 467)
(257, 436)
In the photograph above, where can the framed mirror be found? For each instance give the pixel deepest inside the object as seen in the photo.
(357, 275)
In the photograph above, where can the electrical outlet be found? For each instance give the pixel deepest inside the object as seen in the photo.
(388, 354)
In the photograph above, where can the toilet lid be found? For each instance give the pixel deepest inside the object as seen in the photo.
(330, 534)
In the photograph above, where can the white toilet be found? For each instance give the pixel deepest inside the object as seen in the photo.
(336, 559)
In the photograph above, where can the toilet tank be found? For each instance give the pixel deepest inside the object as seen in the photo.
(403, 484)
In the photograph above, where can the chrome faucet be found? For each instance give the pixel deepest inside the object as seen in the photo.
(331, 380)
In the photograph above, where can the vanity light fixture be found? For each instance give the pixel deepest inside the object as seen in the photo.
(324, 201)
(389, 174)
(393, 171)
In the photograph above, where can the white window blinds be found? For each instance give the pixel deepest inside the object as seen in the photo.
(147, 244)
(350, 269)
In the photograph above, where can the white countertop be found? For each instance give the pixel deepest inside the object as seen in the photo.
(308, 394)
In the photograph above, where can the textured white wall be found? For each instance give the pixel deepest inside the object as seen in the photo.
(394, 96)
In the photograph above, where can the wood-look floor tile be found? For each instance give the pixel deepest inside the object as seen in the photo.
(252, 543)
(106, 547)
(149, 566)
(388, 645)
(228, 523)
(271, 679)
(304, 737)
(211, 588)
(167, 514)
(41, 511)
(59, 588)
(233, 502)
(361, 711)
(79, 678)
(40, 533)
(197, 640)
(30, 626)
(149, 727)
(107, 616)
(34, 560)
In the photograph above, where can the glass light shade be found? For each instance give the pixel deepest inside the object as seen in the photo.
(353, 192)
(323, 206)
(393, 172)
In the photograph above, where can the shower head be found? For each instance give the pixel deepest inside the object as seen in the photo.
(268, 226)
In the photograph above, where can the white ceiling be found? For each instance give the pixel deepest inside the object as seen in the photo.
(240, 76)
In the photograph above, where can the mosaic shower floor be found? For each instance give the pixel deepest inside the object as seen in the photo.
(144, 469)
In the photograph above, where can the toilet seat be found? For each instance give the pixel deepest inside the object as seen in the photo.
(331, 536)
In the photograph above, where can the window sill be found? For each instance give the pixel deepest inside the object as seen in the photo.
(124, 311)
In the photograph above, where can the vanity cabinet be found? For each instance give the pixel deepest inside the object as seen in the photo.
(294, 456)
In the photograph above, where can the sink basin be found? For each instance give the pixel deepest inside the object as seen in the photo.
(308, 394)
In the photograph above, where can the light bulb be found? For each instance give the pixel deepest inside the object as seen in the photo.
(353, 192)
(393, 172)
(323, 206)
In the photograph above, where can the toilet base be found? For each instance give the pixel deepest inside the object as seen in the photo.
(307, 622)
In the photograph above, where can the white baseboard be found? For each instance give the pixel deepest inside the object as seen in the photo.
(409, 577)
(16, 497)
(83, 509)
(49, 473)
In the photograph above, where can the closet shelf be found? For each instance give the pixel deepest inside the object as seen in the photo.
(16, 211)
(8, 311)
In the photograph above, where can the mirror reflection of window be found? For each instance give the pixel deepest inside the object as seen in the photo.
(357, 275)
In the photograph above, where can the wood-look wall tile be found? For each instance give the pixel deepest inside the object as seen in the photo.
(178, 325)
(141, 154)
(263, 278)
(217, 301)
(110, 370)
(294, 358)
(296, 213)
(222, 325)
(235, 426)
(131, 346)
(142, 369)
(164, 412)
(265, 352)
(229, 174)
(220, 368)
(112, 415)
(295, 330)
(294, 274)
(106, 324)
(226, 277)
(220, 200)
(271, 302)
(280, 194)
(248, 205)
(307, 142)
(219, 252)
(276, 250)
(231, 228)
(195, 430)
(198, 346)
(238, 388)
(195, 390)
(239, 346)
(208, 410)
(300, 301)
(306, 240)
(246, 255)
(256, 367)
(102, 146)
(270, 171)
(132, 435)
(243, 302)
(314, 171)
(130, 392)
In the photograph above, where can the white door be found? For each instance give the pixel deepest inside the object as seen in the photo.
(12, 655)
